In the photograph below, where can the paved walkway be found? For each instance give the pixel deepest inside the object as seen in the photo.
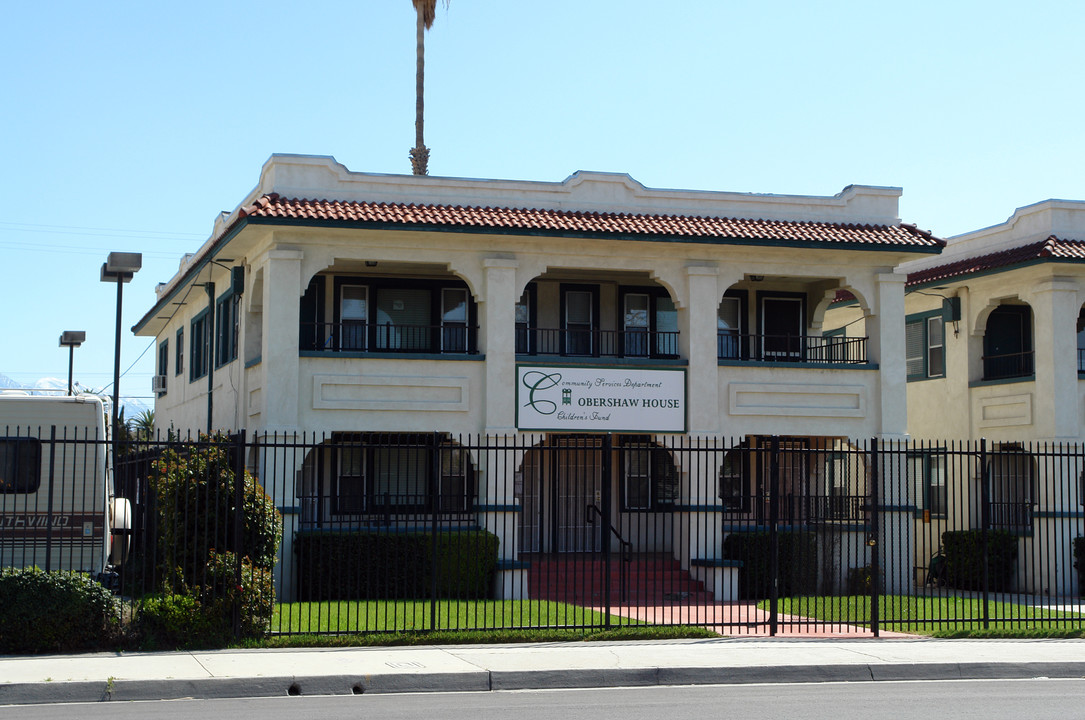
(485, 668)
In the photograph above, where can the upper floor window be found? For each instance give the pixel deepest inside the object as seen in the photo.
(200, 355)
(1007, 343)
(163, 362)
(227, 328)
(179, 352)
(924, 346)
(729, 328)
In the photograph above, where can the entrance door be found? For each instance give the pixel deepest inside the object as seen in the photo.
(560, 479)
(577, 484)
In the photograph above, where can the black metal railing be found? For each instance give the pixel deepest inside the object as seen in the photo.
(625, 551)
(1081, 360)
(1010, 365)
(380, 532)
(351, 336)
(831, 350)
(597, 343)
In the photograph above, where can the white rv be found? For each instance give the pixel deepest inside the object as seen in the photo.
(57, 505)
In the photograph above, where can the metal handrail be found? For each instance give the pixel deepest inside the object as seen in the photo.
(625, 554)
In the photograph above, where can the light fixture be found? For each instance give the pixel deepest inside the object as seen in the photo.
(72, 339)
(119, 267)
(371, 263)
(757, 278)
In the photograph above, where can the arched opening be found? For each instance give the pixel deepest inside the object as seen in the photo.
(620, 314)
(356, 480)
(1007, 342)
(402, 308)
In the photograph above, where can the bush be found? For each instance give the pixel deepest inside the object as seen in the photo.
(1079, 563)
(202, 616)
(374, 565)
(964, 559)
(797, 563)
(860, 580)
(55, 612)
(196, 511)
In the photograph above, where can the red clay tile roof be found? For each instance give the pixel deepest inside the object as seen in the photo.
(1052, 248)
(594, 223)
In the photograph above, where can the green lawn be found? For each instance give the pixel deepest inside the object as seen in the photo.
(351, 616)
(939, 616)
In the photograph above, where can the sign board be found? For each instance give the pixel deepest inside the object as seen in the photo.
(600, 399)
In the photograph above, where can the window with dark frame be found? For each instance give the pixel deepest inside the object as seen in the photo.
(20, 465)
(649, 476)
(163, 362)
(391, 473)
(179, 353)
(924, 346)
(199, 347)
(227, 326)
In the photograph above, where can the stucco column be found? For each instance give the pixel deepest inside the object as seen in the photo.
(282, 314)
(886, 338)
(702, 382)
(1055, 308)
(498, 310)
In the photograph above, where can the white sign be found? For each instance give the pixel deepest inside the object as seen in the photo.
(603, 399)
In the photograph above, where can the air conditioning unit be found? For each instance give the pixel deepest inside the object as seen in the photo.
(158, 384)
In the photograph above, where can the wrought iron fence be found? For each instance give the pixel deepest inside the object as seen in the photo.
(368, 532)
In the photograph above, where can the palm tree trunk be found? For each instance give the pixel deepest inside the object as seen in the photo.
(420, 153)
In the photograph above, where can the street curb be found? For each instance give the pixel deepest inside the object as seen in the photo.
(486, 681)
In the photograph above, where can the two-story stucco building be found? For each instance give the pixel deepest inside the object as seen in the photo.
(351, 304)
(994, 351)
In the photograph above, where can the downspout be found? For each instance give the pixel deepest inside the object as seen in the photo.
(210, 288)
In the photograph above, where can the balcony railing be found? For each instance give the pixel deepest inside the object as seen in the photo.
(1011, 365)
(597, 343)
(1081, 360)
(1012, 516)
(831, 350)
(352, 336)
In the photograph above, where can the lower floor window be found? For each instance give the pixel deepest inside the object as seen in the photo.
(384, 473)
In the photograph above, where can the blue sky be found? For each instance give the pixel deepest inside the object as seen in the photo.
(130, 125)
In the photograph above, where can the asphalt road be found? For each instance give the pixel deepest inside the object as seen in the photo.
(1035, 699)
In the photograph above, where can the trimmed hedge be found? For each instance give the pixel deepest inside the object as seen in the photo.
(964, 559)
(387, 566)
(55, 611)
(797, 563)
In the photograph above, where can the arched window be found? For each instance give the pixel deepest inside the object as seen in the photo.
(1007, 343)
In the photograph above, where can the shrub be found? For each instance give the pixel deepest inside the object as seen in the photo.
(375, 565)
(196, 510)
(56, 611)
(860, 580)
(202, 615)
(964, 559)
(797, 563)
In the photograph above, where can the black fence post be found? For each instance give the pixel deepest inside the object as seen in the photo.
(872, 541)
(49, 502)
(604, 525)
(239, 525)
(985, 520)
(774, 537)
(434, 505)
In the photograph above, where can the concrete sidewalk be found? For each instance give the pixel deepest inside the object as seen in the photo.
(265, 673)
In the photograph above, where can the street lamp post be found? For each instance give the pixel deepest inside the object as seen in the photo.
(72, 339)
(119, 267)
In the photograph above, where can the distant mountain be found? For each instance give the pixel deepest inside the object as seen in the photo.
(55, 386)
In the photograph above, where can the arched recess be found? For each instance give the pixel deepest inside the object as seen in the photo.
(254, 318)
(351, 304)
(1007, 339)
